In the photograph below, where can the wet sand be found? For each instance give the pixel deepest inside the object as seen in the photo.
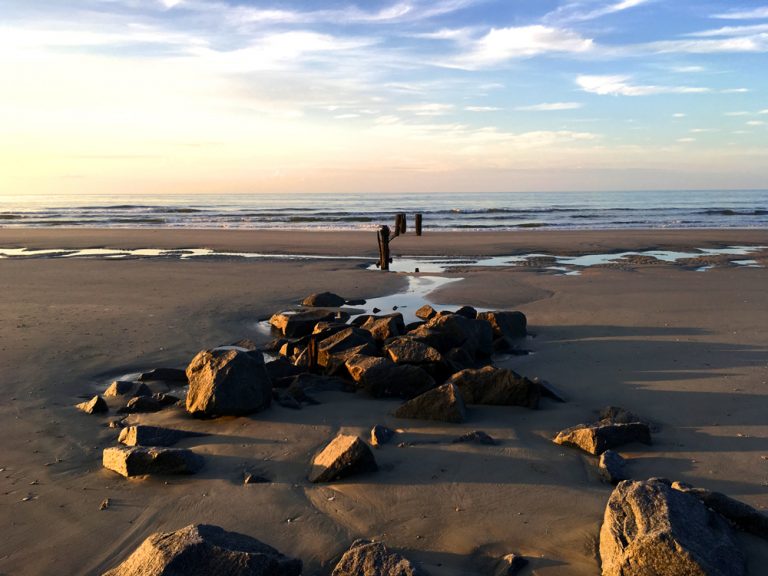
(686, 350)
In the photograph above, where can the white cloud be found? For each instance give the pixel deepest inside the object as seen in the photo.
(735, 90)
(738, 113)
(481, 108)
(731, 31)
(763, 111)
(550, 106)
(755, 123)
(753, 43)
(687, 69)
(576, 11)
(703, 130)
(754, 14)
(503, 44)
(686, 140)
(429, 109)
(617, 85)
(170, 3)
(679, 115)
(346, 116)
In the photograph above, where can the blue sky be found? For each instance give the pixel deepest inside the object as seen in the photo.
(212, 95)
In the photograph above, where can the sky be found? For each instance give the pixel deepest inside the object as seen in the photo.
(124, 97)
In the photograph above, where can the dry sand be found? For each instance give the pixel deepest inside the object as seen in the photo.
(687, 350)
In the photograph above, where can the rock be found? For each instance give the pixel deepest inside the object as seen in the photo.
(245, 344)
(616, 415)
(356, 302)
(324, 300)
(404, 350)
(116, 423)
(651, 529)
(325, 329)
(459, 359)
(142, 390)
(227, 382)
(366, 558)
(381, 435)
(281, 372)
(474, 335)
(141, 404)
(286, 400)
(612, 467)
(384, 327)
(297, 324)
(167, 375)
(548, 390)
(510, 565)
(467, 312)
(254, 478)
(426, 312)
(96, 405)
(507, 324)
(444, 404)
(140, 460)
(205, 550)
(346, 455)
(599, 437)
(141, 435)
(342, 341)
(496, 386)
(741, 515)
(476, 437)
(119, 388)
(166, 399)
(380, 377)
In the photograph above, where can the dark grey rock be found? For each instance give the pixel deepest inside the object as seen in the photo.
(612, 467)
(467, 312)
(476, 437)
(384, 327)
(141, 404)
(381, 435)
(295, 324)
(324, 300)
(380, 377)
(599, 437)
(507, 324)
(167, 375)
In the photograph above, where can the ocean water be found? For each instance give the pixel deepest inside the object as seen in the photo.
(470, 211)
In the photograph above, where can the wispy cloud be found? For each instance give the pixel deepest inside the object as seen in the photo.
(501, 45)
(753, 14)
(616, 85)
(738, 113)
(755, 123)
(550, 107)
(428, 109)
(731, 31)
(734, 90)
(481, 108)
(580, 11)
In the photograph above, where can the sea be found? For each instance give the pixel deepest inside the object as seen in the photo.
(441, 211)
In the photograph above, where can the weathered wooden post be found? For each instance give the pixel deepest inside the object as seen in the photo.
(418, 224)
(312, 352)
(403, 225)
(383, 237)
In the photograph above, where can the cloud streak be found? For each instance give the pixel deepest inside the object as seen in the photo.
(617, 85)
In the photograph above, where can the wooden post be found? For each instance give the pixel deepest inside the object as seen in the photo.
(403, 224)
(312, 352)
(418, 224)
(383, 237)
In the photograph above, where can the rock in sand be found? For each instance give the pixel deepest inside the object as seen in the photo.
(324, 300)
(139, 460)
(227, 382)
(205, 550)
(599, 437)
(381, 435)
(366, 558)
(496, 386)
(142, 435)
(346, 455)
(96, 405)
(612, 467)
(650, 529)
(443, 404)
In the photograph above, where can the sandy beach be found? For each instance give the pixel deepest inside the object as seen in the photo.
(686, 350)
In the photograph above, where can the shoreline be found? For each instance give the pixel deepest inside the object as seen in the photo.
(363, 244)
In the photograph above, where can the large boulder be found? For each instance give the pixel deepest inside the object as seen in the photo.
(323, 300)
(366, 558)
(380, 377)
(474, 335)
(650, 529)
(138, 461)
(443, 404)
(225, 382)
(167, 375)
(506, 324)
(204, 550)
(740, 514)
(384, 327)
(496, 386)
(599, 437)
(295, 324)
(346, 455)
(141, 435)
